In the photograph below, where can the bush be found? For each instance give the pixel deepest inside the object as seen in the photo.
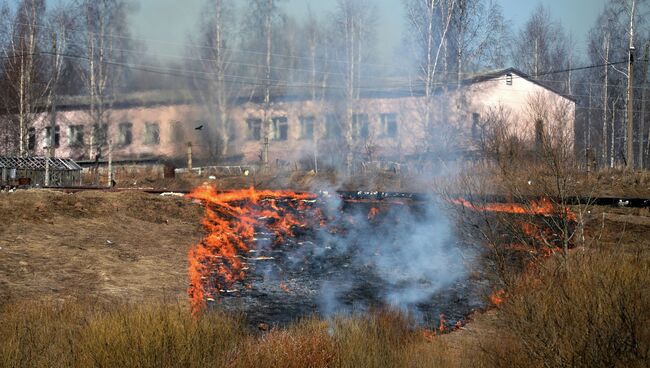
(592, 311)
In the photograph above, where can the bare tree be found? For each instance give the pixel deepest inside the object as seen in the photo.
(541, 47)
(429, 24)
(480, 36)
(60, 23)
(105, 32)
(355, 19)
(610, 45)
(23, 74)
(214, 89)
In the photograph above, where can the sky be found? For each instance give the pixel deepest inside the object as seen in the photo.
(170, 21)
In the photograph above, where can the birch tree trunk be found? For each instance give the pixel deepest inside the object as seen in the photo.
(605, 152)
(268, 31)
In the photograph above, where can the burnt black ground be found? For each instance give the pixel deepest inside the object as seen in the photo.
(313, 274)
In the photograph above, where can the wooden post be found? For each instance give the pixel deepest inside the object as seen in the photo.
(189, 157)
(110, 163)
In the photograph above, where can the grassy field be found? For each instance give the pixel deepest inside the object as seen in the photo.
(70, 299)
(589, 310)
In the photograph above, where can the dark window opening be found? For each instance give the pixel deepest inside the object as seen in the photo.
(178, 133)
(99, 134)
(509, 79)
(48, 136)
(389, 125)
(476, 126)
(307, 127)
(254, 129)
(76, 135)
(360, 126)
(333, 126)
(280, 128)
(151, 133)
(125, 137)
(31, 139)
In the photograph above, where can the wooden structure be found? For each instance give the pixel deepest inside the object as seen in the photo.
(31, 171)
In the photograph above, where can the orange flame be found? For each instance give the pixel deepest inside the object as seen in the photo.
(497, 297)
(215, 264)
(541, 207)
(373, 213)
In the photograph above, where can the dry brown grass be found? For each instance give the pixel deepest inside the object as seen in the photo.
(591, 311)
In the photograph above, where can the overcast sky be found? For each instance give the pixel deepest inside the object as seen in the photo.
(172, 20)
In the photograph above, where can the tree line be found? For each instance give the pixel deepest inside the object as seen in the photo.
(255, 50)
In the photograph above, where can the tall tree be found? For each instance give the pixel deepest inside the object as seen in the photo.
(541, 47)
(609, 43)
(23, 75)
(429, 25)
(105, 33)
(213, 57)
(479, 37)
(356, 24)
(262, 18)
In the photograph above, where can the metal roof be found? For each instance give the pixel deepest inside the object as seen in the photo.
(38, 163)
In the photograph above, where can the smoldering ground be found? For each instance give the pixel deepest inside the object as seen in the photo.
(366, 255)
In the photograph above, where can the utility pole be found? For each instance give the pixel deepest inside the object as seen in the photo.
(605, 150)
(630, 95)
(189, 158)
(643, 103)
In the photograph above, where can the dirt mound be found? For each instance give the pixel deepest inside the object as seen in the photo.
(126, 245)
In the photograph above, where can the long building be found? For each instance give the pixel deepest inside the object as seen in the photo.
(388, 126)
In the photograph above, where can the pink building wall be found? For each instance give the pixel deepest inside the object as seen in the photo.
(516, 96)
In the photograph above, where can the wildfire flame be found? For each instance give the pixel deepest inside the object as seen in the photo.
(216, 263)
(373, 213)
(542, 207)
(497, 297)
(539, 240)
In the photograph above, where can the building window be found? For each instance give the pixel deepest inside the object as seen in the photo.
(233, 134)
(254, 129)
(151, 133)
(307, 127)
(31, 139)
(360, 128)
(333, 126)
(48, 136)
(76, 135)
(125, 136)
(280, 128)
(509, 79)
(476, 126)
(99, 134)
(389, 125)
(178, 133)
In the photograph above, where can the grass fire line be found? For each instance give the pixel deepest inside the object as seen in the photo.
(230, 221)
(220, 264)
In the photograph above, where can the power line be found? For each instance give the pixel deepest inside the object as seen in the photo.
(406, 86)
